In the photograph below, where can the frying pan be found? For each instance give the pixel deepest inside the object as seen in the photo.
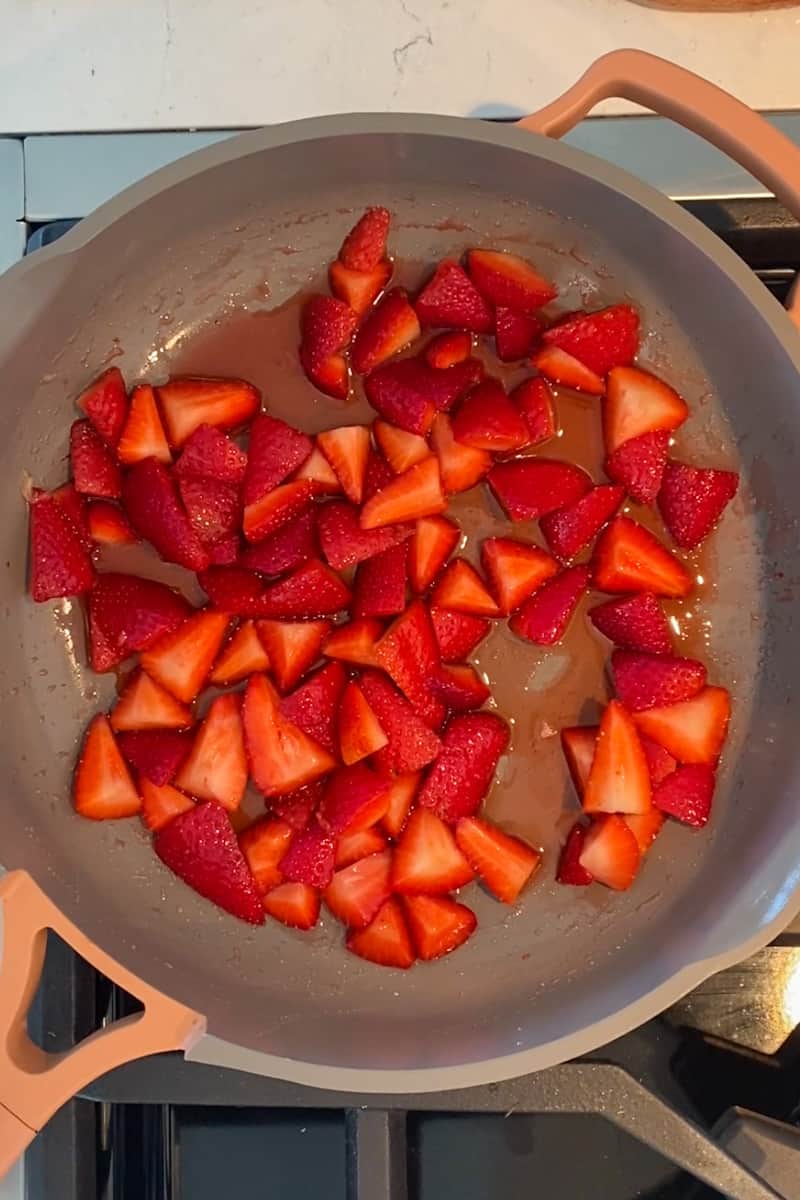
(247, 223)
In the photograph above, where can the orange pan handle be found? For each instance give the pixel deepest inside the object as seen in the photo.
(33, 1083)
(672, 91)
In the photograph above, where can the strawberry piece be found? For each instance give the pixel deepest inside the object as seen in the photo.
(516, 570)
(450, 298)
(243, 655)
(59, 562)
(344, 543)
(289, 547)
(386, 940)
(94, 472)
(311, 591)
(461, 589)
(660, 762)
(693, 731)
(276, 450)
(570, 530)
(294, 904)
(310, 857)
(487, 420)
(447, 349)
(460, 466)
(427, 858)
(508, 281)
(292, 647)
(225, 552)
(282, 757)
(600, 340)
(355, 893)
(645, 827)
(103, 788)
(263, 846)
(457, 634)
(354, 642)
(317, 470)
(105, 403)
(462, 774)
(326, 326)
(365, 244)
(330, 375)
(559, 367)
(234, 590)
(387, 328)
(638, 402)
(352, 847)
(347, 450)
(358, 289)
(127, 613)
(461, 687)
(433, 541)
(515, 334)
(570, 870)
(401, 801)
(409, 393)
(534, 400)
(635, 622)
(298, 807)
(527, 488)
(76, 509)
(411, 743)
(381, 584)
(638, 465)
(150, 499)
(312, 707)
(200, 847)
(415, 493)
(438, 924)
(211, 454)
(360, 732)
(145, 704)
(692, 500)
(544, 617)
(108, 525)
(503, 863)
(180, 661)
(628, 558)
(619, 779)
(190, 402)
(686, 794)
(610, 852)
(155, 753)
(354, 798)
(409, 654)
(578, 744)
(400, 448)
(277, 508)
(161, 804)
(213, 509)
(143, 435)
(652, 680)
(216, 768)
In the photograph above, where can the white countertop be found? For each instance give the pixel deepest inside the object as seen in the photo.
(76, 65)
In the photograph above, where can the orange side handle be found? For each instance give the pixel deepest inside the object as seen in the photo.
(33, 1083)
(705, 109)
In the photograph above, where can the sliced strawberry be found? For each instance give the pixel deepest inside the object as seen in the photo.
(637, 402)
(317, 470)
(463, 772)
(355, 893)
(427, 859)
(461, 687)
(638, 465)
(460, 466)
(461, 589)
(687, 794)
(610, 852)
(628, 558)
(381, 584)
(409, 653)
(447, 349)
(515, 334)
(487, 420)
(243, 655)
(508, 281)
(344, 543)
(94, 471)
(347, 450)
(128, 614)
(438, 924)
(619, 779)
(450, 299)
(292, 647)
(351, 847)
(326, 326)
(401, 801)
(645, 827)
(298, 807)
(311, 591)
(358, 289)
(181, 661)
(515, 569)
(570, 530)
(544, 617)
(294, 904)
(527, 488)
(578, 744)
(377, 475)
(282, 757)
(190, 402)
(144, 704)
(59, 562)
(411, 743)
(692, 500)
(263, 846)
(200, 846)
(387, 328)
(660, 762)
(355, 797)
(277, 508)
(360, 731)
(151, 501)
(108, 525)
(408, 393)
(310, 857)
(276, 450)
(693, 731)
(312, 707)
(433, 541)
(635, 622)
(105, 403)
(216, 768)
(103, 788)
(386, 940)
(534, 400)
(330, 375)
(214, 509)
(365, 244)
(503, 863)
(415, 493)
(570, 870)
(156, 754)
(600, 340)
(225, 552)
(76, 508)
(457, 634)
(289, 547)
(211, 454)
(354, 642)
(559, 367)
(143, 434)
(161, 804)
(234, 590)
(654, 680)
(400, 448)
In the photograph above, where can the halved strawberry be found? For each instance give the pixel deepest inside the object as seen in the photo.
(427, 859)
(282, 757)
(214, 509)
(234, 590)
(637, 402)
(570, 870)
(654, 680)
(412, 744)
(211, 454)
(127, 613)
(94, 471)
(311, 591)
(619, 780)
(386, 940)
(645, 827)
(450, 299)
(400, 393)
(638, 465)
(686, 794)
(59, 562)
(527, 488)
(360, 731)
(347, 450)
(460, 466)
(151, 502)
(310, 857)
(161, 804)
(312, 707)
(457, 634)
(381, 584)
(692, 500)
(317, 470)
(243, 655)
(610, 852)
(660, 762)
(326, 327)
(144, 704)
(534, 399)
(693, 731)
(600, 340)
(276, 450)
(105, 403)
(344, 543)
(277, 508)
(487, 420)
(433, 541)
(143, 434)
(462, 774)
(387, 328)
(461, 687)
(578, 744)
(438, 924)
(355, 893)
(508, 281)
(447, 349)
(155, 754)
(544, 616)
(354, 642)
(288, 547)
(351, 847)
(400, 448)
(628, 558)
(200, 846)
(559, 367)
(294, 904)
(515, 334)
(365, 244)
(461, 589)
(415, 493)
(409, 654)
(358, 289)
(263, 845)
(401, 801)
(292, 647)
(216, 768)
(570, 530)
(634, 622)
(190, 402)
(298, 807)
(108, 525)
(503, 863)
(330, 375)
(103, 788)
(515, 569)
(355, 797)
(181, 661)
